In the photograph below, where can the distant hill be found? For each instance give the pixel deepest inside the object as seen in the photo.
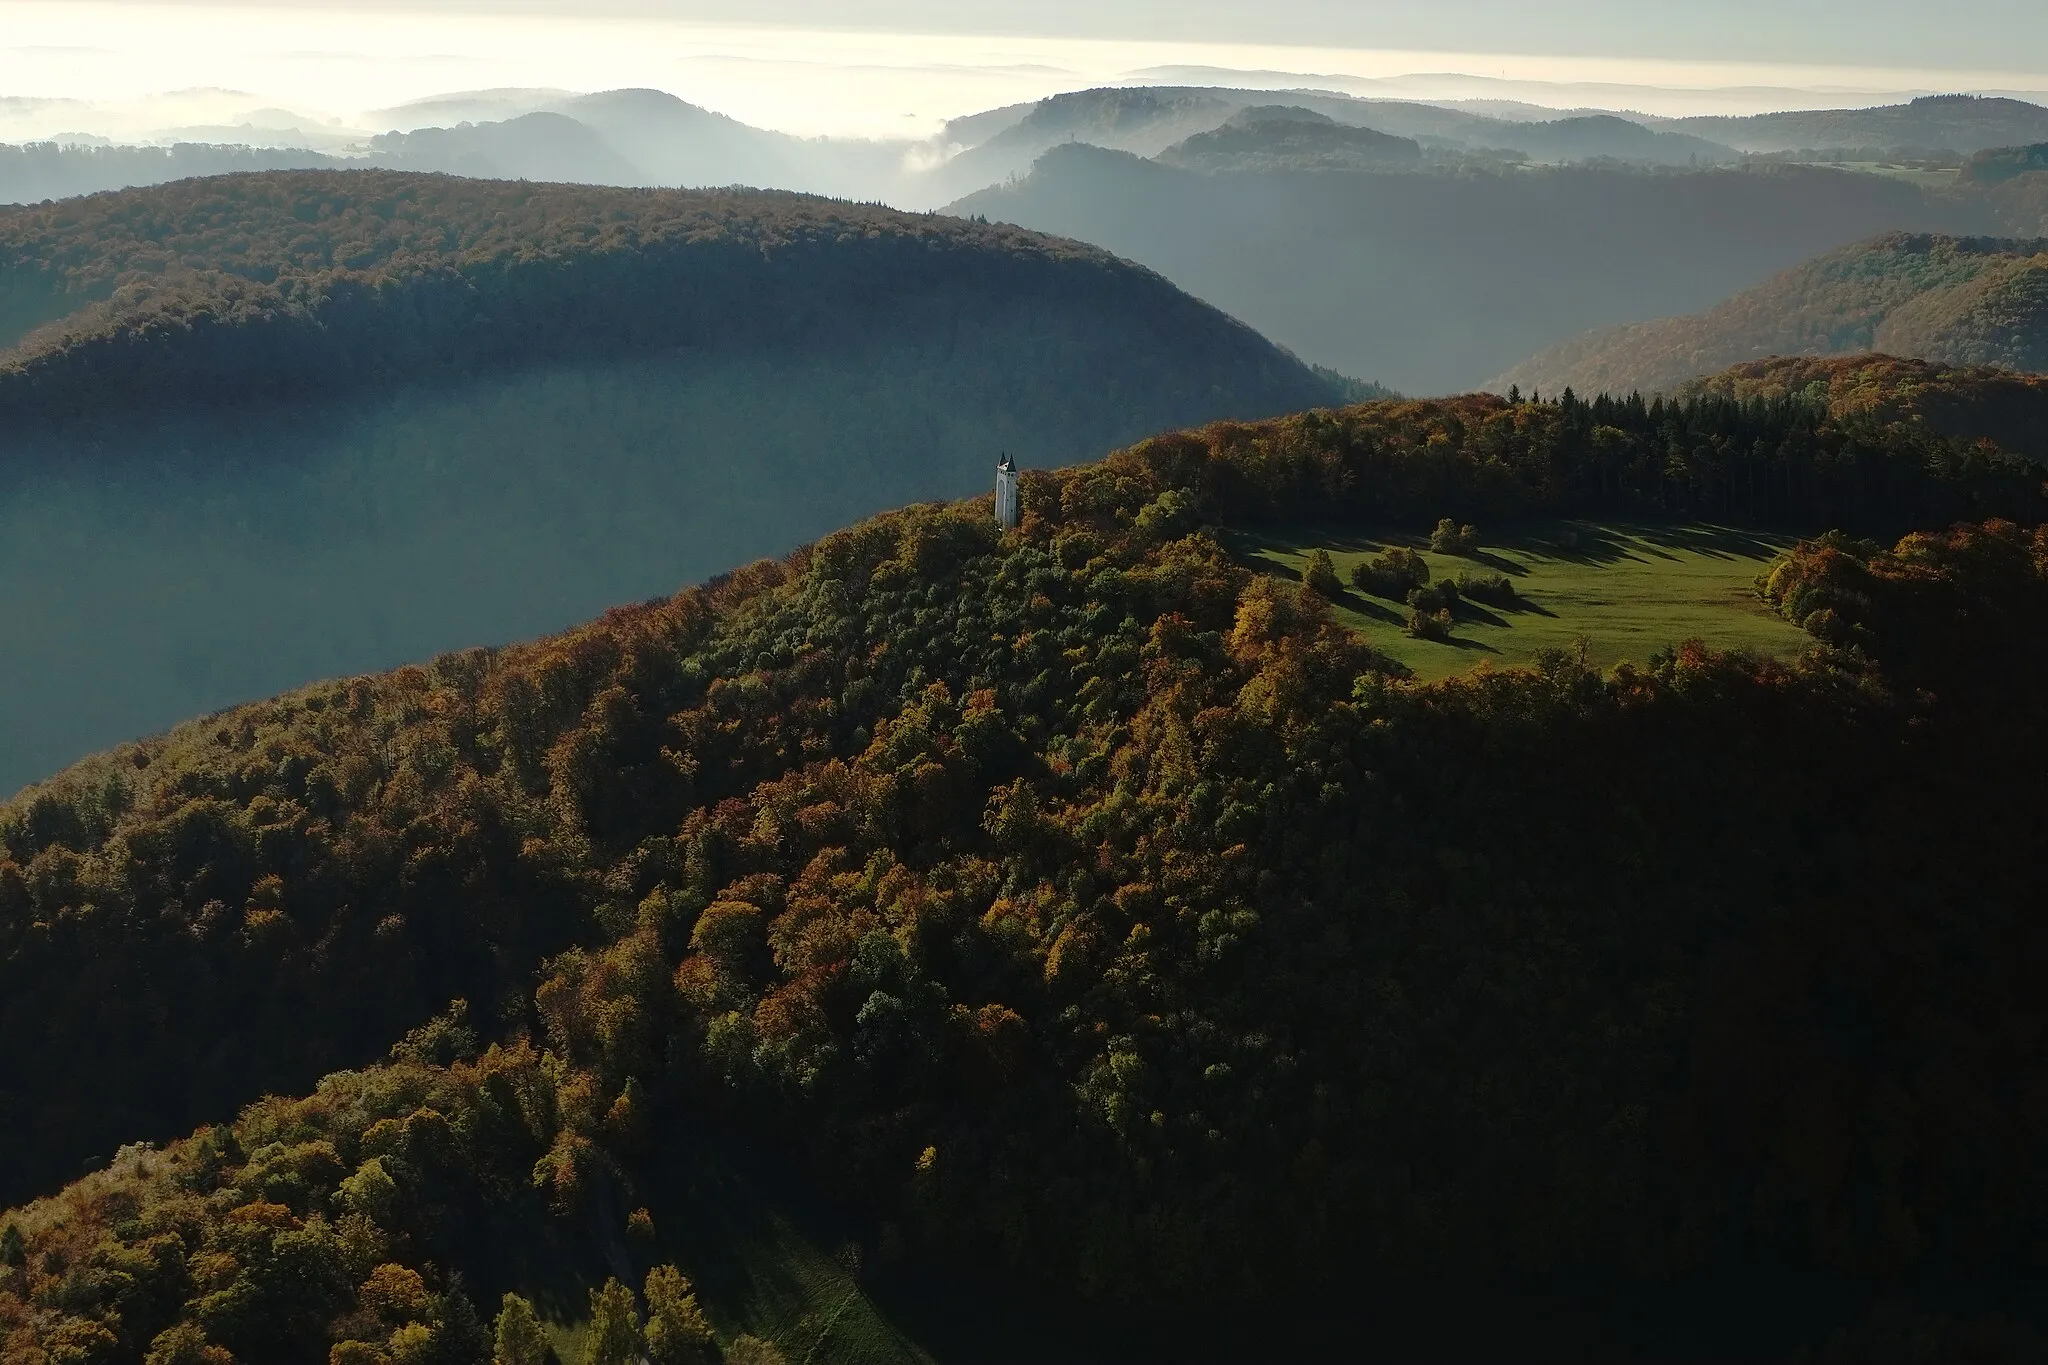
(672, 142)
(1958, 123)
(1965, 301)
(45, 170)
(1966, 402)
(645, 138)
(1144, 121)
(538, 146)
(1147, 120)
(1275, 138)
(641, 138)
(1437, 282)
(369, 416)
(1593, 137)
(467, 106)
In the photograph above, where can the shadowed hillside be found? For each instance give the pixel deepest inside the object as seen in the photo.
(367, 417)
(1962, 301)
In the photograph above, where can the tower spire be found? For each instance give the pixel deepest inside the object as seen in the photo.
(1009, 508)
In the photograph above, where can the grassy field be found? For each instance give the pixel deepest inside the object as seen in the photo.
(1940, 177)
(1628, 590)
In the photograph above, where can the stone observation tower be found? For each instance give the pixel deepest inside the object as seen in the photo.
(1008, 509)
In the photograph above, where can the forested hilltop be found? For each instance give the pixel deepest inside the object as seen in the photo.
(372, 416)
(1084, 909)
(284, 284)
(1970, 301)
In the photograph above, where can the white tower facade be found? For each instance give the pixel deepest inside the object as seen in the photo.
(1009, 510)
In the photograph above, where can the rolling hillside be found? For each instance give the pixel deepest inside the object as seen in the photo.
(1082, 920)
(1962, 301)
(1434, 283)
(368, 416)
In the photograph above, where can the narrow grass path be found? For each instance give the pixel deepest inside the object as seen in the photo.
(1627, 589)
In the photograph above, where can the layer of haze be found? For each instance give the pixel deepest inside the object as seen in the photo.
(900, 69)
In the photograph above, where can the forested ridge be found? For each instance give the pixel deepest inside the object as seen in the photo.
(1973, 402)
(1085, 908)
(224, 291)
(1970, 301)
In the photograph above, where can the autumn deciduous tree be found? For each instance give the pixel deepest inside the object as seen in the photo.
(1393, 574)
(519, 1338)
(185, 1344)
(614, 1336)
(1449, 538)
(746, 1350)
(1321, 575)
(677, 1333)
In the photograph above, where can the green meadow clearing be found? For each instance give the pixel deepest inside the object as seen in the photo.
(1627, 589)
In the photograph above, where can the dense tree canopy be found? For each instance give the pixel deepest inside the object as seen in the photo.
(1081, 902)
(1970, 403)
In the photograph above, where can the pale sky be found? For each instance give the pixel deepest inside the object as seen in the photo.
(899, 67)
(1964, 34)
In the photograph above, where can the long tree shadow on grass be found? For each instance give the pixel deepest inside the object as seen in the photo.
(1717, 542)
(1296, 540)
(1353, 600)
(1581, 542)
(1482, 555)
(1456, 641)
(1470, 612)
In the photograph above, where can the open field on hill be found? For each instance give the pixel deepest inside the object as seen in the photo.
(1933, 178)
(1628, 589)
